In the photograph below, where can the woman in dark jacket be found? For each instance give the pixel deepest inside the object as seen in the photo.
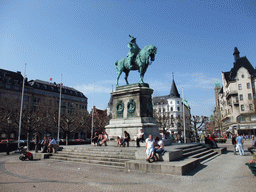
(126, 138)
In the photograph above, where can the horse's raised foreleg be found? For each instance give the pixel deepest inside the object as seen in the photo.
(126, 77)
(119, 72)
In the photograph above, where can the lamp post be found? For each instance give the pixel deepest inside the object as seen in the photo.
(9, 121)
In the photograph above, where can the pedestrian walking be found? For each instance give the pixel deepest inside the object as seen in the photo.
(240, 141)
(234, 143)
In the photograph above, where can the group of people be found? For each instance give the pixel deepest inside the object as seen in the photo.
(126, 139)
(210, 140)
(100, 138)
(238, 141)
(153, 146)
(48, 144)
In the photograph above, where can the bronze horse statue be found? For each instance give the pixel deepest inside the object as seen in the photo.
(140, 63)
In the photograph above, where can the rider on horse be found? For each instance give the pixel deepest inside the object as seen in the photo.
(133, 51)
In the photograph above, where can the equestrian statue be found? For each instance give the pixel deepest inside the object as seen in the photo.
(137, 59)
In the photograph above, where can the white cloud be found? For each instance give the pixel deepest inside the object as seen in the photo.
(88, 88)
(196, 80)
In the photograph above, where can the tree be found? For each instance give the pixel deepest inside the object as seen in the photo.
(198, 122)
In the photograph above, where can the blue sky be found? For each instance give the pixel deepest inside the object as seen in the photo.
(82, 40)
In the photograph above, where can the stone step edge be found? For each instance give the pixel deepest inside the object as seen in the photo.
(93, 158)
(122, 149)
(186, 147)
(89, 161)
(198, 155)
(91, 151)
(194, 152)
(209, 159)
(192, 148)
(98, 155)
(207, 156)
(94, 164)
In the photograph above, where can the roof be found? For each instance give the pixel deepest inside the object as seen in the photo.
(241, 62)
(161, 99)
(174, 91)
(5, 74)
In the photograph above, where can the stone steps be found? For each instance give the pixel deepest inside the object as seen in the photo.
(209, 159)
(100, 152)
(122, 156)
(201, 152)
(193, 152)
(192, 148)
(106, 156)
(103, 158)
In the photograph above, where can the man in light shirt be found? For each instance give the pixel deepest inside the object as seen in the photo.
(150, 146)
(52, 144)
(140, 137)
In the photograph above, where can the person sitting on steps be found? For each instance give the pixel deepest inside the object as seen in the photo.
(119, 141)
(140, 138)
(150, 145)
(159, 147)
(126, 138)
(104, 138)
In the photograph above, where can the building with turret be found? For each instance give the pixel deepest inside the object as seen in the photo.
(168, 111)
(235, 101)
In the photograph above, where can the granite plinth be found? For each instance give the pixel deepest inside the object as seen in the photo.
(132, 111)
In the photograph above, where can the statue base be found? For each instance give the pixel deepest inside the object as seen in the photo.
(132, 110)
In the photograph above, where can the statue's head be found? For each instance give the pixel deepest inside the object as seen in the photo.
(152, 50)
(132, 39)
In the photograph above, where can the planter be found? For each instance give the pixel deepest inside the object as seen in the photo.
(252, 166)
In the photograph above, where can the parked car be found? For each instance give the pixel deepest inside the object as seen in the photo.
(79, 140)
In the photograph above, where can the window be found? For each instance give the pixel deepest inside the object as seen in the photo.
(171, 102)
(248, 86)
(178, 102)
(239, 86)
(241, 97)
(249, 96)
(163, 109)
(159, 110)
(178, 108)
(251, 107)
(236, 99)
(253, 85)
(171, 108)
(242, 107)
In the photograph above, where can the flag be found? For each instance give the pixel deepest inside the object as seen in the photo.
(50, 79)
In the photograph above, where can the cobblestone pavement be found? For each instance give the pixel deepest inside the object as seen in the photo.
(225, 173)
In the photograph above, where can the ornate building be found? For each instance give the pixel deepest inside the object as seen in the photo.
(235, 104)
(39, 96)
(168, 111)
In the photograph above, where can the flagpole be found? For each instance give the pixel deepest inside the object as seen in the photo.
(58, 137)
(184, 120)
(21, 105)
(92, 110)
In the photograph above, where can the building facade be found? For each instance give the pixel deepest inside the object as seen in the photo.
(168, 111)
(235, 104)
(39, 97)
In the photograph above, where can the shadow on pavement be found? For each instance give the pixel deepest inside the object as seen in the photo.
(196, 170)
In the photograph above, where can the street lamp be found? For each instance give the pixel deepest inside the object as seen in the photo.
(9, 121)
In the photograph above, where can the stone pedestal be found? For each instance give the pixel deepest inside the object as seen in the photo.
(132, 110)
